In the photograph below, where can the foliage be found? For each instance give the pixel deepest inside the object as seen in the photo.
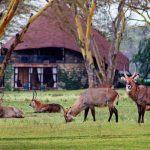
(44, 131)
(102, 22)
(143, 81)
(25, 8)
(72, 79)
(8, 16)
(142, 58)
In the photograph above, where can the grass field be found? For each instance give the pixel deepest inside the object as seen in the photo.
(39, 131)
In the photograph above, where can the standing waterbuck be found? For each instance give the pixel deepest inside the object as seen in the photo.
(140, 94)
(93, 109)
(94, 97)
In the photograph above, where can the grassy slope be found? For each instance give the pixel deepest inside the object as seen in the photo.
(49, 131)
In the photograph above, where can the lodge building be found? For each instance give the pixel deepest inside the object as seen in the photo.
(46, 49)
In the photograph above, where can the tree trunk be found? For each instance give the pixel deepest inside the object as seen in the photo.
(8, 16)
(91, 74)
(118, 27)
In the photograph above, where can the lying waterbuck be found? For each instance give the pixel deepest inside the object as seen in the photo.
(94, 97)
(10, 112)
(140, 94)
(40, 107)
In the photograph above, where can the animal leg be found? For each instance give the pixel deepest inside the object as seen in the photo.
(139, 113)
(116, 113)
(86, 113)
(111, 113)
(93, 113)
(142, 114)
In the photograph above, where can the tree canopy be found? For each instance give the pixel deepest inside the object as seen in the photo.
(142, 58)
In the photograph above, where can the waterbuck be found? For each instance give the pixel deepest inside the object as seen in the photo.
(140, 94)
(41, 107)
(94, 97)
(9, 112)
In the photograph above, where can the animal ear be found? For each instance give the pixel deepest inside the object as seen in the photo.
(66, 110)
(33, 102)
(136, 77)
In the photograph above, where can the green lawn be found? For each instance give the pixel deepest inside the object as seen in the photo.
(49, 131)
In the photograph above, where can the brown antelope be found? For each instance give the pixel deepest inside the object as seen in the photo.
(10, 112)
(40, 107)
(140, 94)
(93, 109)
(94, 97)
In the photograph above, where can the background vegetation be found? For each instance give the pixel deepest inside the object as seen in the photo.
(142, 58)
(49, 131)
(75, 79)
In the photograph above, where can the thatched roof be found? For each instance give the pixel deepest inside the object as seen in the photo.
(49, 31)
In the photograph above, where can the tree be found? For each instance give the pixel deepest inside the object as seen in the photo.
(85, 10)
(141, 8)
(101, 22)
(8, 16)
(118, 23)
(21, 17)
(142, 58)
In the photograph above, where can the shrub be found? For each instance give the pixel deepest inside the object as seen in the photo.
(76, 79)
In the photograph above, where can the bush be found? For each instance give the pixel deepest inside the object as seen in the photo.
(144, 82)
(71, 80)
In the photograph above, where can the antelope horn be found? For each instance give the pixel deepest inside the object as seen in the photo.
(134, 74)
(34, 94)
(125, 75)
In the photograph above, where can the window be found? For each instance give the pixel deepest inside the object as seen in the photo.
(35, 77)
